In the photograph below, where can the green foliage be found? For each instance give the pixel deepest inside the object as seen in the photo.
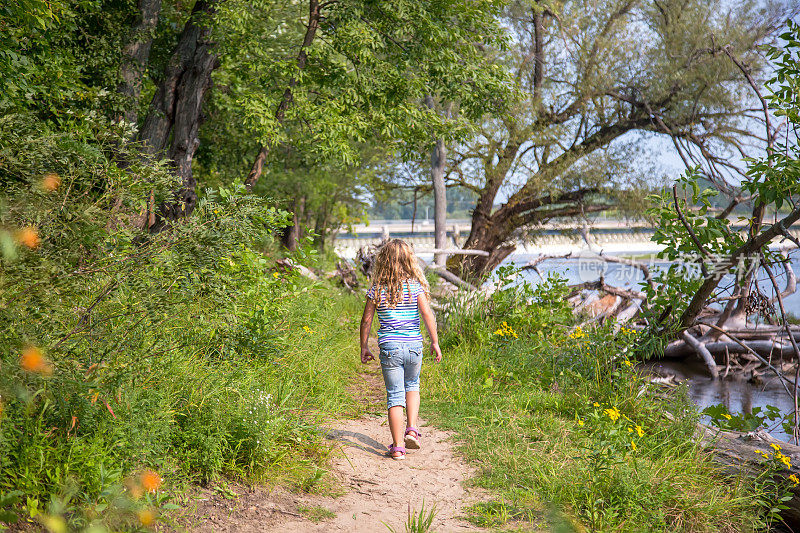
(520, 305)
(368, 68)
(357, 104)
(772, 181)
(181, 352)
(60, 58)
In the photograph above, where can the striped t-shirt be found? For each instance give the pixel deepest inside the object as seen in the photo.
(399, 323)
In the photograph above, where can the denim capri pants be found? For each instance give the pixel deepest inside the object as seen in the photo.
(400, 363)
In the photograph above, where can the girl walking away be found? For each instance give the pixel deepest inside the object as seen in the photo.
(400, 293)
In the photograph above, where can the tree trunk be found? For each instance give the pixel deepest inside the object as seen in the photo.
(438, 160)
(291, 235)
(135, 55)
(302, 57)
(171, 126)
(493, 231)
(753, 245)
(321, 226)
(488, 234)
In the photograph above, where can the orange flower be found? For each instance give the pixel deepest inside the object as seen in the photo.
(151, 481)
(29, 237)
(146, 517)
(51, 181)
(32, 360)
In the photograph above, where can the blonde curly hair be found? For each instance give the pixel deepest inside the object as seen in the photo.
(394, 264)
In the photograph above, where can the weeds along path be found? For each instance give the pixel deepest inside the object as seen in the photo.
(378, 490)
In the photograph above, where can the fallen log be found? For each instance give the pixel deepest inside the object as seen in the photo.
(737, 453)
(681, 348)
(345, 274)
(601, 285)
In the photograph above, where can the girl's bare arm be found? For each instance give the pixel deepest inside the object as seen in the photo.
(366, 326)
(429, 319)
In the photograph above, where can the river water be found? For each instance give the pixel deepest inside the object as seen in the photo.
(738, 396)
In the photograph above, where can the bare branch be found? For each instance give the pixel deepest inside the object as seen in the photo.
(703, 352)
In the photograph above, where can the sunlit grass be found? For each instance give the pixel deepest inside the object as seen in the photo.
(558, 447)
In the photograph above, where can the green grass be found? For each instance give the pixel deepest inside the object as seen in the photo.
(552, 423)
(418, 521)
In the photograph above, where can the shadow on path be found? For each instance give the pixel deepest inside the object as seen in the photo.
(349, 438)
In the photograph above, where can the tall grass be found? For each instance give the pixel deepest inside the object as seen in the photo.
(565, 431)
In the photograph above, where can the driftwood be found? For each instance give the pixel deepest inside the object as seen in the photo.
(365, 257)
(345, 274)
(288, 265)
(452, 278)
(716, 333)
(737, 453)
(703, 352)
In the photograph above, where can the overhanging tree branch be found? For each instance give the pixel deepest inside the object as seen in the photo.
(314, 15)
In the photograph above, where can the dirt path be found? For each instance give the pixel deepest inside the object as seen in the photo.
(379, 490)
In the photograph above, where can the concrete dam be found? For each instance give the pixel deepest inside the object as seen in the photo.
(611, 236)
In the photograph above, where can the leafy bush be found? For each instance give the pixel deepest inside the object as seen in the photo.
(126, 352)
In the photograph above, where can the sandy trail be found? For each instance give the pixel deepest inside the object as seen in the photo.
(379, 490)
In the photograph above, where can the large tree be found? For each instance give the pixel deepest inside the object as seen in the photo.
(349, 73)
(592, 75)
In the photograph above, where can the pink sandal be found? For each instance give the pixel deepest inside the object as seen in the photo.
(412, 441)
(396, 449)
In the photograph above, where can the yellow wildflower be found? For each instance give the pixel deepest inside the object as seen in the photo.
(726, 415)
(639, 431)
(784, 459)
(633, 445)
(276, 275)
(506, 331)
(776, 447)
(630, 429)
(794, 479)
(577, 334)
(580, 422)
(627, 363)
(596, 404)
(612, 413)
